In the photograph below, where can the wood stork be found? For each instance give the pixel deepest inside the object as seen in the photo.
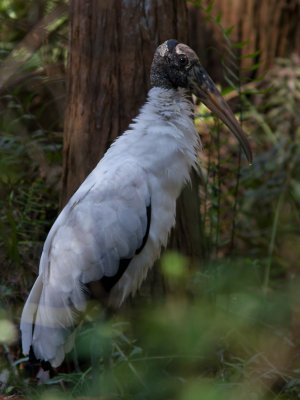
(113, 228)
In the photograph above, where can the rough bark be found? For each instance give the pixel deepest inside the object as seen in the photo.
(111, 48)
(270, 27)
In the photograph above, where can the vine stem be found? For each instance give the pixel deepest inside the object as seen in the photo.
(272, 242)
(279, 204)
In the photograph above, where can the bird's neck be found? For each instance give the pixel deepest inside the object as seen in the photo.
(169, 102)
(168, 118)
(162, 139)
(165, 135)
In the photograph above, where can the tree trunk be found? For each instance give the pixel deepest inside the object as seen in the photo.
(111, 49)
(269, 28)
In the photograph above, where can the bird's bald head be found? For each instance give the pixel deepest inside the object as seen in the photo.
(171, 63)
(177, 65)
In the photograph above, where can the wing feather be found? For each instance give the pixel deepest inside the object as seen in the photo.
(104, 223)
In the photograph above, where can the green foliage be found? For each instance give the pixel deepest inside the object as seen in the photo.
(228, 325)
(228, 340)
(30, 140)
(30, 159)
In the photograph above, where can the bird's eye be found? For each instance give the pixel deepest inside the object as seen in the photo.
(183, 60)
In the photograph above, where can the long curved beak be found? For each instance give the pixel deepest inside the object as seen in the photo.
(203, 87)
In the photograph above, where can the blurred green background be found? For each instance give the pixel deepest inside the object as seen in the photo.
(223, 327)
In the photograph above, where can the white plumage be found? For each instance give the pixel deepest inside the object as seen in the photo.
(124, 210)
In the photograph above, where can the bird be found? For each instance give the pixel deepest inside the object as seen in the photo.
(113, 228)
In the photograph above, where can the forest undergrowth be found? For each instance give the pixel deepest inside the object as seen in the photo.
(226, 326)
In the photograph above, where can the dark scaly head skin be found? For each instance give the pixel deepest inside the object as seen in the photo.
(176, 65)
